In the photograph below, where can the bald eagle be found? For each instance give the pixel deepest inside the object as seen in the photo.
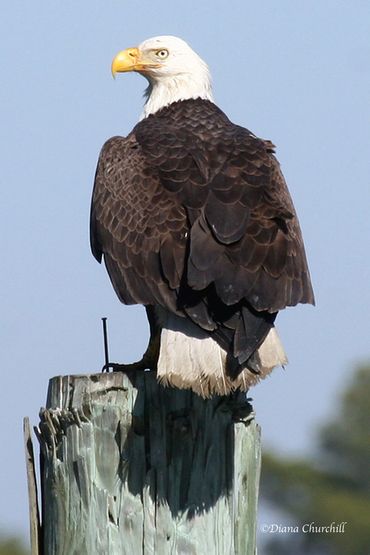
(194, 220)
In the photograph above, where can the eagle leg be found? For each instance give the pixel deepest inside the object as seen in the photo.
(150, 357)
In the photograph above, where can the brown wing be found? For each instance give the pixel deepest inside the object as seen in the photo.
(250, 227)
(137, 225)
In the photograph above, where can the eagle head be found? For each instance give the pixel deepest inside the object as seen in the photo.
(174, 71)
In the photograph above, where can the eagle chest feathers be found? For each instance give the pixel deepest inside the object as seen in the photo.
(193, 217)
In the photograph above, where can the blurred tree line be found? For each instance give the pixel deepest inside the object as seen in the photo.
(11, 546)
(333, 487)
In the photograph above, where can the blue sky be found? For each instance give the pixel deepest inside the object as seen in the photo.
(293, 72)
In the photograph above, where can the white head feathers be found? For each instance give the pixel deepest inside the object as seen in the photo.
(180, 74)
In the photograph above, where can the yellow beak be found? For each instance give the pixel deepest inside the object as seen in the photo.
(131, 59)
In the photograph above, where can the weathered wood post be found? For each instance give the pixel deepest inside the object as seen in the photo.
(131, 468)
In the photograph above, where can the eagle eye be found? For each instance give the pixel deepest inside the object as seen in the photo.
(162, 54)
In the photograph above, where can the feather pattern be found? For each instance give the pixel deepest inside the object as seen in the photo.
(192, 214)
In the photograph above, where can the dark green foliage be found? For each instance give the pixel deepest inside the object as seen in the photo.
(345, 441)
(333, 488)
(11, 546)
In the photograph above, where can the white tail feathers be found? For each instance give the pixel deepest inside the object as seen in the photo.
(190, 359)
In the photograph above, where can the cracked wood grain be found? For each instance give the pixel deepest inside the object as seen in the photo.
(130, 468)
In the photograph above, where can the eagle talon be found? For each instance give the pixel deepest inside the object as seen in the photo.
(141, 366)
(111, 366)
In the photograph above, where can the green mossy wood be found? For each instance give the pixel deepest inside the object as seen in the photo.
(129, 467)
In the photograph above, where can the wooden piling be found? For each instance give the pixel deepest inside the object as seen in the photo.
(131, 468)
